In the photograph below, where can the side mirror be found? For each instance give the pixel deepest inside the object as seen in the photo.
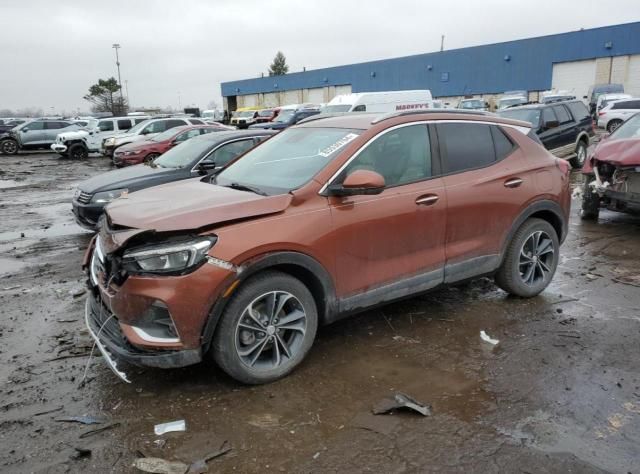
(551, 124)
(24, 130)
(145, 132)
(360, 182)
(206, 166)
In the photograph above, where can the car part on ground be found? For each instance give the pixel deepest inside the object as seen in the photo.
(247, 264)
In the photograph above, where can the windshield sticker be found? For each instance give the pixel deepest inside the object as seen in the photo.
(337, 145)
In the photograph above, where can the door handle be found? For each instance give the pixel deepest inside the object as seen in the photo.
(427, 200)
(512, 183)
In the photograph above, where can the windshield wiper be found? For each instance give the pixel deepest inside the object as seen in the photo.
(244, 187)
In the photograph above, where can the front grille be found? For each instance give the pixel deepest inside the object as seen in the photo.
(84, 198)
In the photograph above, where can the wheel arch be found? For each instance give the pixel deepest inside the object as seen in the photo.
(547, 210)
(300, 266)
(582, 137)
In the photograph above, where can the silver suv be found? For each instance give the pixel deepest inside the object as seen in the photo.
(39, 133)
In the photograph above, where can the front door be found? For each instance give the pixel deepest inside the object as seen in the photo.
(32, 133)
(391, 244)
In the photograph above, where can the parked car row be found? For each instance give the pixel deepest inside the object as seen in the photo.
(257, 238)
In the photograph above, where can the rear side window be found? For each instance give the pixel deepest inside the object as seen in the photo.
(467, 146)
(360, 108)
(124, 124)
(627, 104)
(139, 120)
(56, 125)
(196, 122)
(578, 110)
(105, 126)
(562, 114)
(175, 123)
(502, 143)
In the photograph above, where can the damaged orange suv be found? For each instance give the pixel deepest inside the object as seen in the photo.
(327, 218)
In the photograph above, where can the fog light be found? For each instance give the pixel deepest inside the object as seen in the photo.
(156, 325)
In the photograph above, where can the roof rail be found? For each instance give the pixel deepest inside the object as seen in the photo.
(429, 111)
(321, 115)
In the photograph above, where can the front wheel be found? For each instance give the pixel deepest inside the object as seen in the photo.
(590, 210)
(530, 260)
(9, 147)
(581, 155)
(78, 151)
(267, 328)
(150, 157)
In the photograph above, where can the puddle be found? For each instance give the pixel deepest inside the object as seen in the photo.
(10, 265)
(56, 230)
(9, 183)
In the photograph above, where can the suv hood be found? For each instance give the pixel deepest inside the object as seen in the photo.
(190, 205)
(131, 177)
(624, 152)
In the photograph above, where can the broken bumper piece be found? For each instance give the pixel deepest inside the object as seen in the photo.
(105, 330)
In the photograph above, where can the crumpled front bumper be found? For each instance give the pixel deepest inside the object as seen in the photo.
(110, 340)
(59, 148)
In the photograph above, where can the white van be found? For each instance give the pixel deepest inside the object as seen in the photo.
(392, 101)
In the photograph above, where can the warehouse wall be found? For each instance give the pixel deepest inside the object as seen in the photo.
(523, 64)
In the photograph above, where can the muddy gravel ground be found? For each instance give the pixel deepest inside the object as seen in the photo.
(559, 393)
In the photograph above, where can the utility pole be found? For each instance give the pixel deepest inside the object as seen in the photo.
(179, 102)
(442, 43)
(126, 86)
(116, 46)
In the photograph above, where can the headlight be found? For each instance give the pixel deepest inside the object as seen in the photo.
(129, 153)
(174, 257)
(108, 196)
(109, 141)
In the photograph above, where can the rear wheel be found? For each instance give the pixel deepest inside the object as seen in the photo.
(150, 157)
(267, 328)
(613, 125)
(9, 146)
(78, 151)
(581, 155)
(590, 202)
(530, 260)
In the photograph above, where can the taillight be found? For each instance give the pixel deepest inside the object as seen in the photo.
(601, 113)
(564, 166)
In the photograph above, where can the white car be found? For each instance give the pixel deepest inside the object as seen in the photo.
(605, 99)
(145, 130)
(612, 116)
(79, 143)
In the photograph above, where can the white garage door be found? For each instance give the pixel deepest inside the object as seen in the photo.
(248, 100)
(343, 89)
(632, 84)
(291, 97)
(575, 76)
(271, 99)
(315, 95)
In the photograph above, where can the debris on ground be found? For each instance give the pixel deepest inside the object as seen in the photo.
(407, 340)
(160, 466)
(77, 293)
(401, 400)
(577, 193)
(162, 428)
(85, 420)
(80, 453)
(378, 424)
(200, 466)
(99, 430)
(486, 338)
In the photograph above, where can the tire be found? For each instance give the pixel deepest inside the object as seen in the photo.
(78, 151)
(234, 338)
(590, 210)
(613, 125)
(9, 146)
(509, 276)
(150, 157)
(581, 155)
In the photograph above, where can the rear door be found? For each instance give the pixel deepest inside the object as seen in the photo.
(53, 128)
(487, 180)
(391, 244)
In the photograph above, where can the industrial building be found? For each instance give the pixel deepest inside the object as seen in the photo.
(571, 61)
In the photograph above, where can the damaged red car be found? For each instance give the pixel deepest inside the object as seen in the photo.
(612, 172)
(325, 219)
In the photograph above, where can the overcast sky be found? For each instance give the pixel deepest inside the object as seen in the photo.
(52, 51)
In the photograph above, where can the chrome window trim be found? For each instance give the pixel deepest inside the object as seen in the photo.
(523, 130)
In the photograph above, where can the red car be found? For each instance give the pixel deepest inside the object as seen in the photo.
(148, 150)
(612, 172)
(267, 115)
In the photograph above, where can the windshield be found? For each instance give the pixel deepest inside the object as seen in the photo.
(166, 135)
(246, 113)
(502, 103)
(285, 116)
(137, 128)
(265, 113)
(208, 114)
(629, 129)
(331, 109)
(288, 160)
(527, 115)
(184, 154)
(471, 104)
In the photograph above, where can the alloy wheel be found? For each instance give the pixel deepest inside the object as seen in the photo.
(536, 258)
(270, 331)
(9, 147)
(581, 154)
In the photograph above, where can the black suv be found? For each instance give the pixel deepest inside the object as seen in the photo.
(564, 128)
